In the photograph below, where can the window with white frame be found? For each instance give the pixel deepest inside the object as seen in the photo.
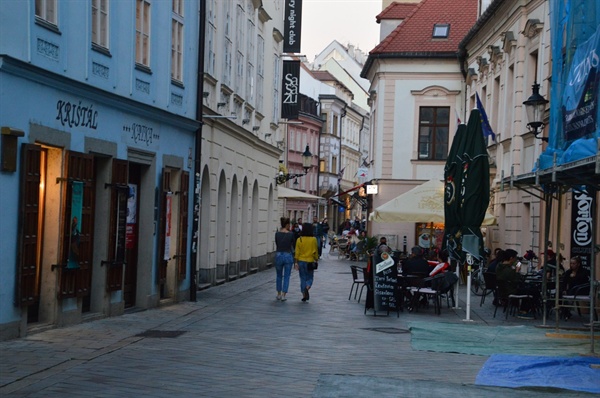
(250, 48)
(260, 73)
(142, 32)
(211, 33)
(100, 23)
(433, 132)
(240, 53)
(276, 88)
(228, 44)
(177, 41)
(46, 10)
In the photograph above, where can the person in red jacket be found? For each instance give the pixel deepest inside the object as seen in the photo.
(443, 265)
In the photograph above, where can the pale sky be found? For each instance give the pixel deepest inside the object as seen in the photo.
(347, 21)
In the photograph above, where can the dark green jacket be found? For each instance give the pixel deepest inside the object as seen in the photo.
(507, 278)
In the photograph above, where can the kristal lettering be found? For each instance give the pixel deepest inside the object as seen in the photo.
(75, 115)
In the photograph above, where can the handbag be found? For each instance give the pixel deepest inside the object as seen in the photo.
(312, 266)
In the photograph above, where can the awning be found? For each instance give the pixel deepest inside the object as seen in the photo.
(287, 193)
(337, 202)
(350, 190)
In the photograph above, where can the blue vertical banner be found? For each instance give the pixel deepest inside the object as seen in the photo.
(75, 229)
(292, 26)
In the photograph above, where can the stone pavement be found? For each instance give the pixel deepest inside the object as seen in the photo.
(238, 341)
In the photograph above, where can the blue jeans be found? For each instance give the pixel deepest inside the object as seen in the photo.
(306, 276)
(319, 244)
(283, 266)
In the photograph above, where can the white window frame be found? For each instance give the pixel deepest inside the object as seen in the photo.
(240, 54)
(177, 41)
(276, 87)
(260, 73)
(47, 10)
(100, 25)
(250, 73)
(228, 50)
(211, 34)
(142, 32)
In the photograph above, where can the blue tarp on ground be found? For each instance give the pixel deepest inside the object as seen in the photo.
(573, 373)
(488, 340)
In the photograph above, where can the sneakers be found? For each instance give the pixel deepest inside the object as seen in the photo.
(283, 298)
(526, 315)
(278, 296)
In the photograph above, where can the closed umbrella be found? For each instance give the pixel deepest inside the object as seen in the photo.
(467, 195)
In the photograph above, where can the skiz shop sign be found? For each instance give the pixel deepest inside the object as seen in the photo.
(582, 214)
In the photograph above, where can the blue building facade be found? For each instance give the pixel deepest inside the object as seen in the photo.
(98, 120)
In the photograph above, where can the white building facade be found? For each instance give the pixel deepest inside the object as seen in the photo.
(241, 128)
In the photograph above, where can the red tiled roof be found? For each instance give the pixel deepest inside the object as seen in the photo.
(396, 11)
(414, 35)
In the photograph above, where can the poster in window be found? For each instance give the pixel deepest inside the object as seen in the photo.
(131, 217)
(75, 229)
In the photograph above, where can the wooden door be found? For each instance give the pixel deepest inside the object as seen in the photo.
(76, 282)
(118, 224)
(29, 270)
(162, 237)
(182, 239)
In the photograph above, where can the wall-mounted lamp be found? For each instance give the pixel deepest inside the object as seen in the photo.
(535, 107)
(205, 94)
(281, 178)
(245, 121)
(221, 104)
(10, 148)
(255, 128)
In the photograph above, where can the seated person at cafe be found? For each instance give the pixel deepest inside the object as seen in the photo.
(443, 265)
(498, 258)
(509, 282)
(383, 246)
(573, 278)
(416, 263)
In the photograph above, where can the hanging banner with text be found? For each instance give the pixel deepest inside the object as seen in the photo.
(293, 25)
(290, 88)
(582, 214)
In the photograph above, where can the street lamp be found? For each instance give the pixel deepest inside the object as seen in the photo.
(535, 107)
(282, 177)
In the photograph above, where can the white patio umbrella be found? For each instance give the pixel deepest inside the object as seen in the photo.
(423, 204)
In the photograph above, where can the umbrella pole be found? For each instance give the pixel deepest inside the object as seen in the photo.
(457, 272)
(468, 294)
(469, 264)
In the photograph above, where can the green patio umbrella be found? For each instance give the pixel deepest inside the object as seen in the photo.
(452, 176)
(474, 194)
(466, 190)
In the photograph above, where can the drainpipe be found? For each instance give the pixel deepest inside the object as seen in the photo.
(197, 154)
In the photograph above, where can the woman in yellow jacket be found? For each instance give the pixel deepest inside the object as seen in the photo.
(306, 252)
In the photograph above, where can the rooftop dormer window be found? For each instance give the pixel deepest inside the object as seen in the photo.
(441, 30)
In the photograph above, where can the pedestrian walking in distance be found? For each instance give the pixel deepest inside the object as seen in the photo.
(284, 257)
(305, 255)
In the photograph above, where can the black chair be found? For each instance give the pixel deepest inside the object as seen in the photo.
(490, 285)
(358, 279)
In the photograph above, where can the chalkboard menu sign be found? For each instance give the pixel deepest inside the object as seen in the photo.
(385, 285)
